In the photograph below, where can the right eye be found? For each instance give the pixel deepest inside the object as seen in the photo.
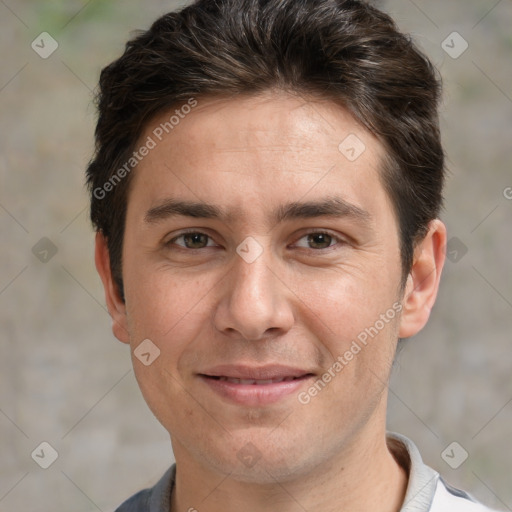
(192, 240)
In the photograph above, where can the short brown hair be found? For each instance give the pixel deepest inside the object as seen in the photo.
(341, 50)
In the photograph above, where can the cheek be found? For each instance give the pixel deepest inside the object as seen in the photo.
(354, 317)
(161, 302)
(341, 304)
(173, 311)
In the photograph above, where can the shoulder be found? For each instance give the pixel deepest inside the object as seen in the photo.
(137, 503)
(450, 499)
(154, 499)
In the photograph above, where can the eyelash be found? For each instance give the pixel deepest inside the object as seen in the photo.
(335, 238)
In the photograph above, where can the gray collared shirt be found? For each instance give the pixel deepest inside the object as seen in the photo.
(426, 490)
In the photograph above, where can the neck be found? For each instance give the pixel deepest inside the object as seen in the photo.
(363, 477)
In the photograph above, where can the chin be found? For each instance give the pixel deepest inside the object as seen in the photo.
(256, 460)
(264, 472)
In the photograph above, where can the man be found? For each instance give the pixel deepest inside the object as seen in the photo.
(266, 190)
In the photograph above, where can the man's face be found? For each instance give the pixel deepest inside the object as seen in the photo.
(254, 293)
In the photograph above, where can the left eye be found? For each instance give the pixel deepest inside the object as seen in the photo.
(319, 240)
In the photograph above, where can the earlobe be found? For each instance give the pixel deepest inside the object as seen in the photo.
(423, 280)
(115, 304)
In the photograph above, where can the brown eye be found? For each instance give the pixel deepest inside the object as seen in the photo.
(191, 240)
(319, 240)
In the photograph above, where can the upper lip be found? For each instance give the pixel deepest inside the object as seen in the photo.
(272, 371)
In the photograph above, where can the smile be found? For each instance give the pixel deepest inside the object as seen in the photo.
(255, 386)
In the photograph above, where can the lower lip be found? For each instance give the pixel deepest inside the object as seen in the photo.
(255, 394)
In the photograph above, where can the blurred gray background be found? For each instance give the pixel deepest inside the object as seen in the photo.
(67, 381)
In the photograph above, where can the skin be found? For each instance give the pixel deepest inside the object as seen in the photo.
(302, 302)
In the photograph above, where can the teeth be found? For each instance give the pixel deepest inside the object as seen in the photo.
(255, 381)
(243, 381)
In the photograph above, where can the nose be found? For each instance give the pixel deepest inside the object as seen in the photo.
(255, 303)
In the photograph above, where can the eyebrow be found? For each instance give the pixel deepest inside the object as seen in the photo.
(328, 207)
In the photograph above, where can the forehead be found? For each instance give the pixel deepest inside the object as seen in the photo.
(257, 151)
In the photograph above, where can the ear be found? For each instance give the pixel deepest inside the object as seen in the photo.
(115, 305)
(423, 280)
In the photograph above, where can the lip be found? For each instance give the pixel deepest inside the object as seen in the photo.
(255, 386)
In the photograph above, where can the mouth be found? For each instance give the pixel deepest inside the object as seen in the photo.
(254, 382)
(255, 386)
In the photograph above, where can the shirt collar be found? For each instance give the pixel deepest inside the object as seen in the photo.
(422, 484)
